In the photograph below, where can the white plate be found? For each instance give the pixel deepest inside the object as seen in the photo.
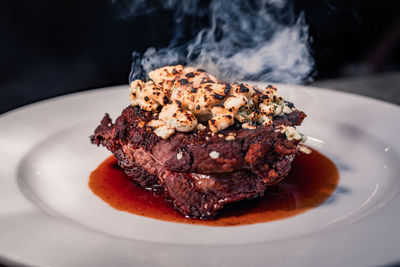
(49, 216)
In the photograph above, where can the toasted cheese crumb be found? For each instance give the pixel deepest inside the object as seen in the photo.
(201, 127)
(164, 131)
(214, 154)
(304, 149)
(156, 123)
(178, 118)
(179, 156)
(248, 125)
(291, 133)
(287, 110)
(186, 98)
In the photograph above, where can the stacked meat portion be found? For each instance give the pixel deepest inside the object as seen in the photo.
(201, 170)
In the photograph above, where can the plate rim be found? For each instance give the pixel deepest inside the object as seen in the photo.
(25, 108)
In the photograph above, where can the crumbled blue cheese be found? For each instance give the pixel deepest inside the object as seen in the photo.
(287, 110)
(292, 134)
(164, 131)
(178, 118)
(230, 138)
(248, 125)
(185, 97)
(200, 127)
(214, 154)
(304, 149)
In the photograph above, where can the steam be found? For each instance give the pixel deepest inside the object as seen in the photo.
(259, 40)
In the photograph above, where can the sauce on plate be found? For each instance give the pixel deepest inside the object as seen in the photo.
(312, 179)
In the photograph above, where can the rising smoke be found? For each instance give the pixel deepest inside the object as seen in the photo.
(259, 40)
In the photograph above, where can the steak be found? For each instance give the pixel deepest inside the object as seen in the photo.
(200, 171)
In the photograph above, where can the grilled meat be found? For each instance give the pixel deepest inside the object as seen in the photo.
(200, 171)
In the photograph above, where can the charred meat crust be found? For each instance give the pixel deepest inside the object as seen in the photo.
(197, 195)
(198, 184)
(190, 152)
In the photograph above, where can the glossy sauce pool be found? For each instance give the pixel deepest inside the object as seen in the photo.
(312, 179)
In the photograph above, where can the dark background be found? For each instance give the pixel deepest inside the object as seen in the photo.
(49, 48)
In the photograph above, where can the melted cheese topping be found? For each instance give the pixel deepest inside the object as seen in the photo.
(186, 98)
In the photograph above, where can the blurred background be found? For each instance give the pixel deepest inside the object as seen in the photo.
(50, 48)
